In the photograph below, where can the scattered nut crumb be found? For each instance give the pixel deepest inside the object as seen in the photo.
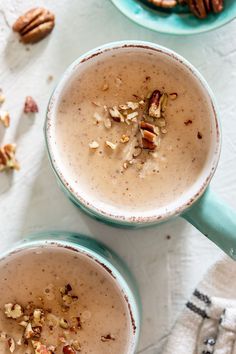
(76, 345)
(67, 349)
(107, 338)
(188, 122)
(96, 103)
(116, 115)
(5, 118)
(93, 145)
(29, 333)
(13, 311)
(111, 145)
(40, 348)
(105, 87)
(107, 123)
(63, 323)
(199, 135)
(97, 117)
(118, 82)
(30, 105)
(132, 115)
(3, 336)
(50, 78)
(12, 345)
(124, 139)
(125, 165)
(173, 96)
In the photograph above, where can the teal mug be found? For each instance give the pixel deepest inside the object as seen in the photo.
(104, 257)
(198, 205)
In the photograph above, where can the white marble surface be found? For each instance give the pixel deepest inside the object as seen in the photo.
(30, 200)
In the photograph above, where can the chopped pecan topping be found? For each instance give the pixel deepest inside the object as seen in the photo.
(40, 348)
(63, 323)
(93, 145)
(124, 139)
(148, 145)
(173, 96)
(154, 104)
(188, 122)
(150, 127)
(149, 135)
(12, 345)
(116, 115)
(107, 338)
(13, 311)
(111, 145)
(67, 349)
(199, 135)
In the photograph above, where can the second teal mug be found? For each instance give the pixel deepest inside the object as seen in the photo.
(198, 205)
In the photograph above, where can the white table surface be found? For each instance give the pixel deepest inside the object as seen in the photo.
(167, 270)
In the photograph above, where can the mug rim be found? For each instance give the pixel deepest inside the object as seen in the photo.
(92, 208)
(53, 238)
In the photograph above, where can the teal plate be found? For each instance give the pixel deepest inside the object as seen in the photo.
(179, 22)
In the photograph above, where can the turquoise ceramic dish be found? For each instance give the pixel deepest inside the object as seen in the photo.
(104, 256)
(174, 22)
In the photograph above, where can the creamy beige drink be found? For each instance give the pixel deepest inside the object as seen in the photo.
(103, 142)
(55, 300)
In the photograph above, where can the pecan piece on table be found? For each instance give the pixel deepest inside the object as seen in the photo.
(7, 158)
(30, 105)
(34, 25)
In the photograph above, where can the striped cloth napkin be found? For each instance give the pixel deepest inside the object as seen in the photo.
(207, 325)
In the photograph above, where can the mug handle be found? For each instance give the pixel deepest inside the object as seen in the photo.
(215, 220)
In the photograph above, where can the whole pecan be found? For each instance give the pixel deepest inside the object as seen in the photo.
(217, 5)
(198, 8)
(201, 8)
(34, 25)
(168, 4)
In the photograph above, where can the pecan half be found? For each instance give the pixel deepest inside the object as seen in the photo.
(34, 25)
